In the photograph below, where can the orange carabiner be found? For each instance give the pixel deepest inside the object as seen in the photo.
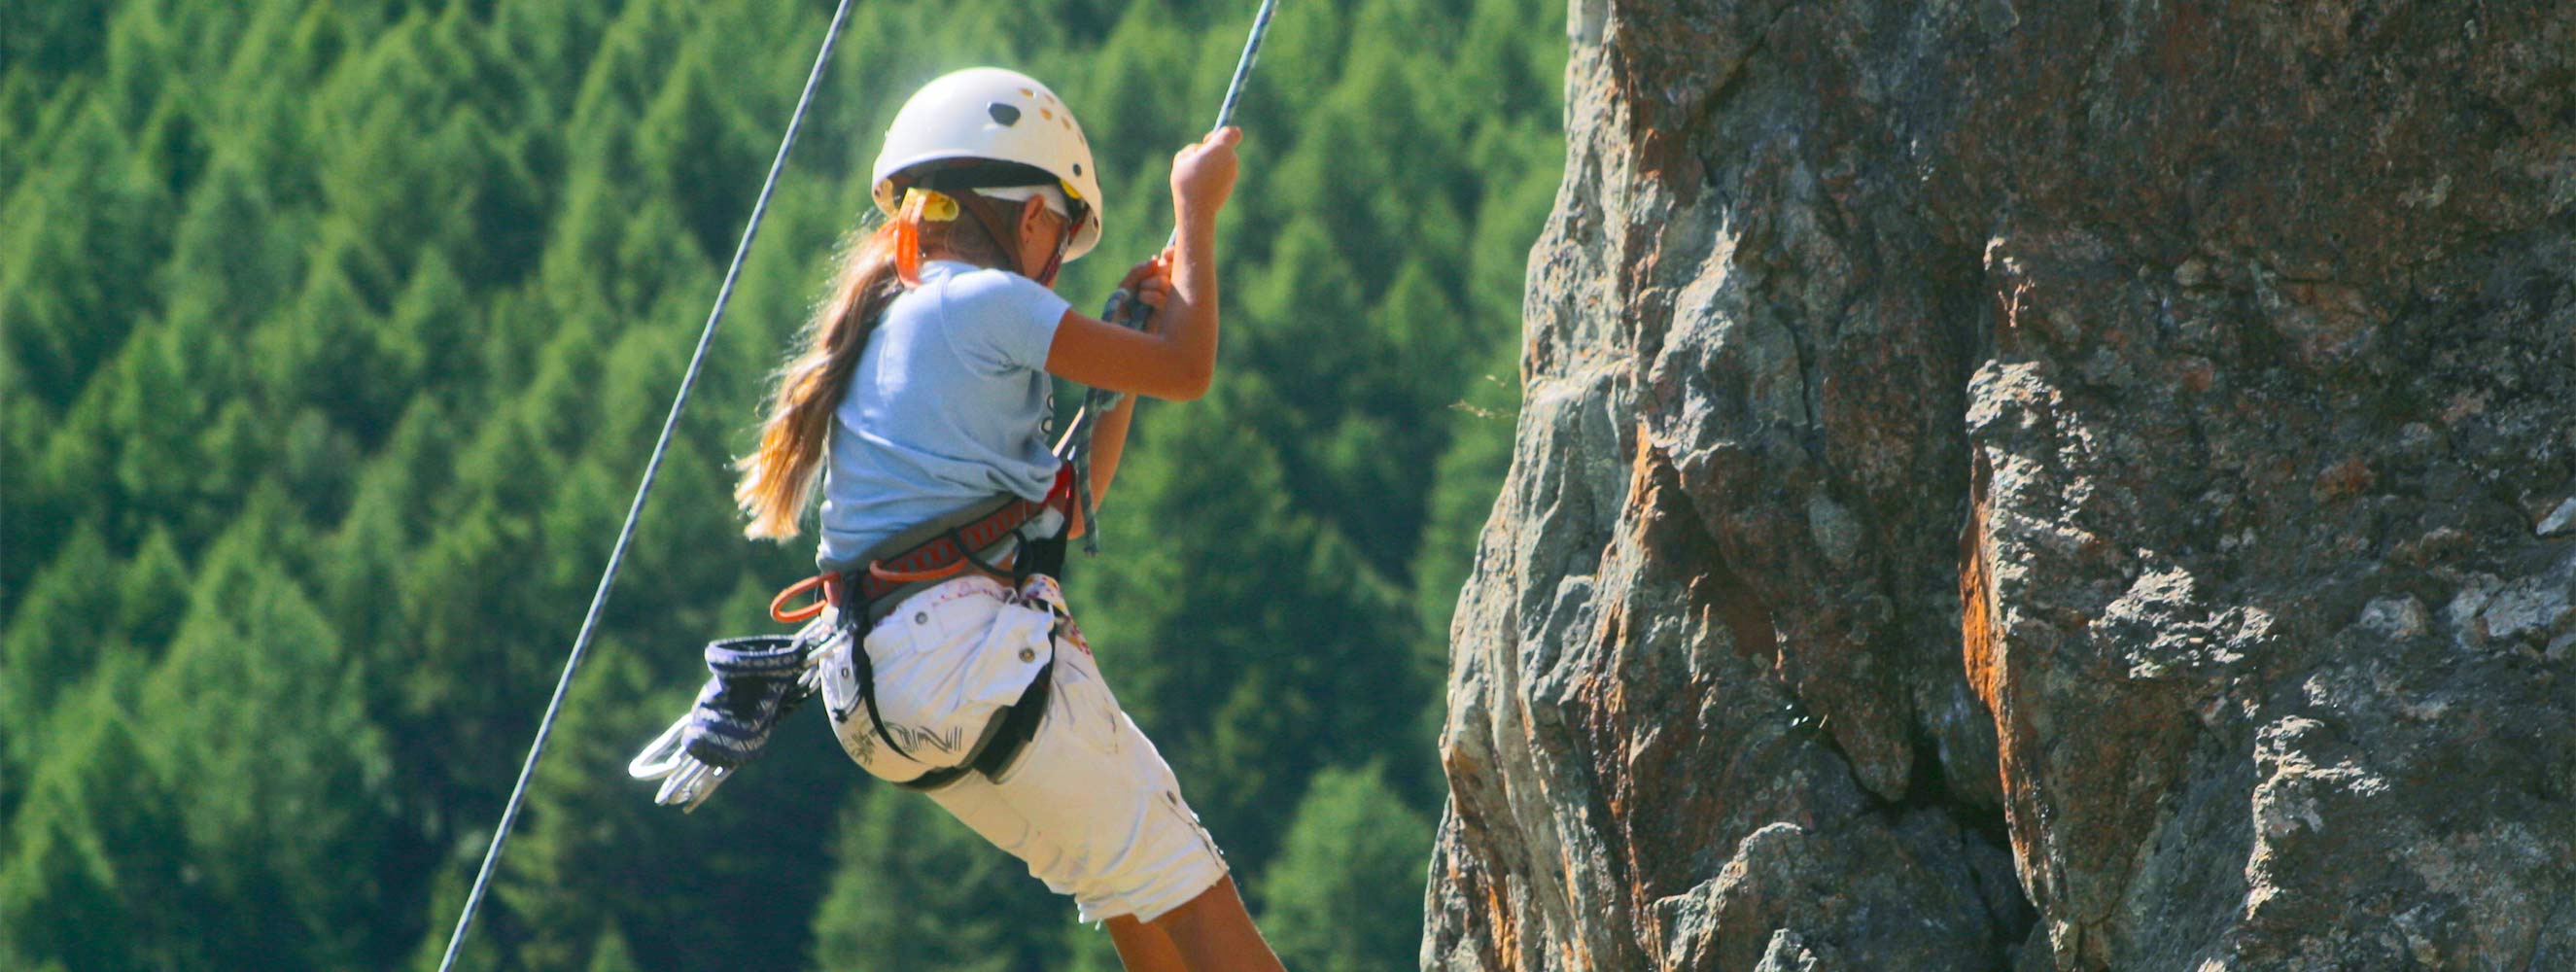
(779, 612)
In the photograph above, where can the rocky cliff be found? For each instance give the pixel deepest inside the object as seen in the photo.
(2018, 485)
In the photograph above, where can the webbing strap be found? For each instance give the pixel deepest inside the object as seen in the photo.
(883, 577)
(1008, 733)
(643, 490)
(864, 670)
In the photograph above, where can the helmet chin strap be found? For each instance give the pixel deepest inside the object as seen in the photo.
(1055, 260)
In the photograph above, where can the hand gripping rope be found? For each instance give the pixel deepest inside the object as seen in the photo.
(1123, 308)
(626, 533)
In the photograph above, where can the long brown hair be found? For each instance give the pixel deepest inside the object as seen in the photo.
(778, 478)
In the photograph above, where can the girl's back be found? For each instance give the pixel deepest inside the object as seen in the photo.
(950, 405)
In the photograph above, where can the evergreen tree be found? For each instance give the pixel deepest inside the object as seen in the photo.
(1346, 893)
(331, 342)
(152, 597)
(914, 889)
(53, 638)
(98, 872)
(610, 953)
(258, 717)
(87, 232)
(229, 250)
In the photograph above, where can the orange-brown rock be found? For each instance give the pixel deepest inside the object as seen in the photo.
(2035, 486)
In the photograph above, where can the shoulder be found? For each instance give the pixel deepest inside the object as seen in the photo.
(1000, 318)
(987, 286)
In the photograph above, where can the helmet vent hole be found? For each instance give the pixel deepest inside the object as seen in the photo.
(1002, 113)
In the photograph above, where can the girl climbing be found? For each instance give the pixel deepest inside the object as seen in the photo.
(920, 405)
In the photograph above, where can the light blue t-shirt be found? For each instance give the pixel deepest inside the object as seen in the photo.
(950, 404)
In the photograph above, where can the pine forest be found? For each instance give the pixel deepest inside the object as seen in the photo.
(334, 336)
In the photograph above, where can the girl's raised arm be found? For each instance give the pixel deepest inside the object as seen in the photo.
(1176, 358)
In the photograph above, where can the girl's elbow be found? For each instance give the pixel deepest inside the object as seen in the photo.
(1192, 385)
(1179, 378)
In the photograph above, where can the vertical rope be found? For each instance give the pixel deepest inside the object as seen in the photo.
(1243, 65)
(1122, 308)
(635, 510)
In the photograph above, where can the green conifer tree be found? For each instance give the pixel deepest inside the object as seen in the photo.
(912, 888)
(1346, 892)
(99, 873)
(258, 717)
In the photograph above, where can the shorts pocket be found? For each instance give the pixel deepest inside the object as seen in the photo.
(850, 722)
(904, 658)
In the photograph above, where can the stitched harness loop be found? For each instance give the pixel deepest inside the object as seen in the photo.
(820, 584)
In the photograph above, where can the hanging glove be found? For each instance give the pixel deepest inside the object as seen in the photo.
(754, 685)
(756, 681)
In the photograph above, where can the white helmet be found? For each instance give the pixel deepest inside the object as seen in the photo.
(991, 113)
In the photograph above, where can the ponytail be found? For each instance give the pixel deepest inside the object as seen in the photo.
(778, 478)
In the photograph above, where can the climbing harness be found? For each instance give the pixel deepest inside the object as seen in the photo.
(943, 548)
(1123, 308)
(928, 555)
(757, 681)
(635, 510)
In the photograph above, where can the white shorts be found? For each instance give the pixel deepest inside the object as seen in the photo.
(1089, 805)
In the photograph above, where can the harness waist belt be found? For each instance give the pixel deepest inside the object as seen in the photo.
(940, 555)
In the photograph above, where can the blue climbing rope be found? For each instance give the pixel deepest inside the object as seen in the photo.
(1124, 309)
(635, 510)
(1242, 69)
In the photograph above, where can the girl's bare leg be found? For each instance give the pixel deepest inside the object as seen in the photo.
(1213, 933)
(1142, 947)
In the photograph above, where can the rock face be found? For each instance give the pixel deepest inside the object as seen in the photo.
(2014, 485)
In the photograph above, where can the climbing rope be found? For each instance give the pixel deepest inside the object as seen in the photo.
(635, 510)
(1123, 308)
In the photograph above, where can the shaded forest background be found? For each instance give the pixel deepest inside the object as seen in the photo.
(333, 336)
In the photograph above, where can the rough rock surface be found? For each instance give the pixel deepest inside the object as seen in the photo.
(2015, 485)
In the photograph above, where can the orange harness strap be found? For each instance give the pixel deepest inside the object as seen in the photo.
(946, 556)
(781, 613)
